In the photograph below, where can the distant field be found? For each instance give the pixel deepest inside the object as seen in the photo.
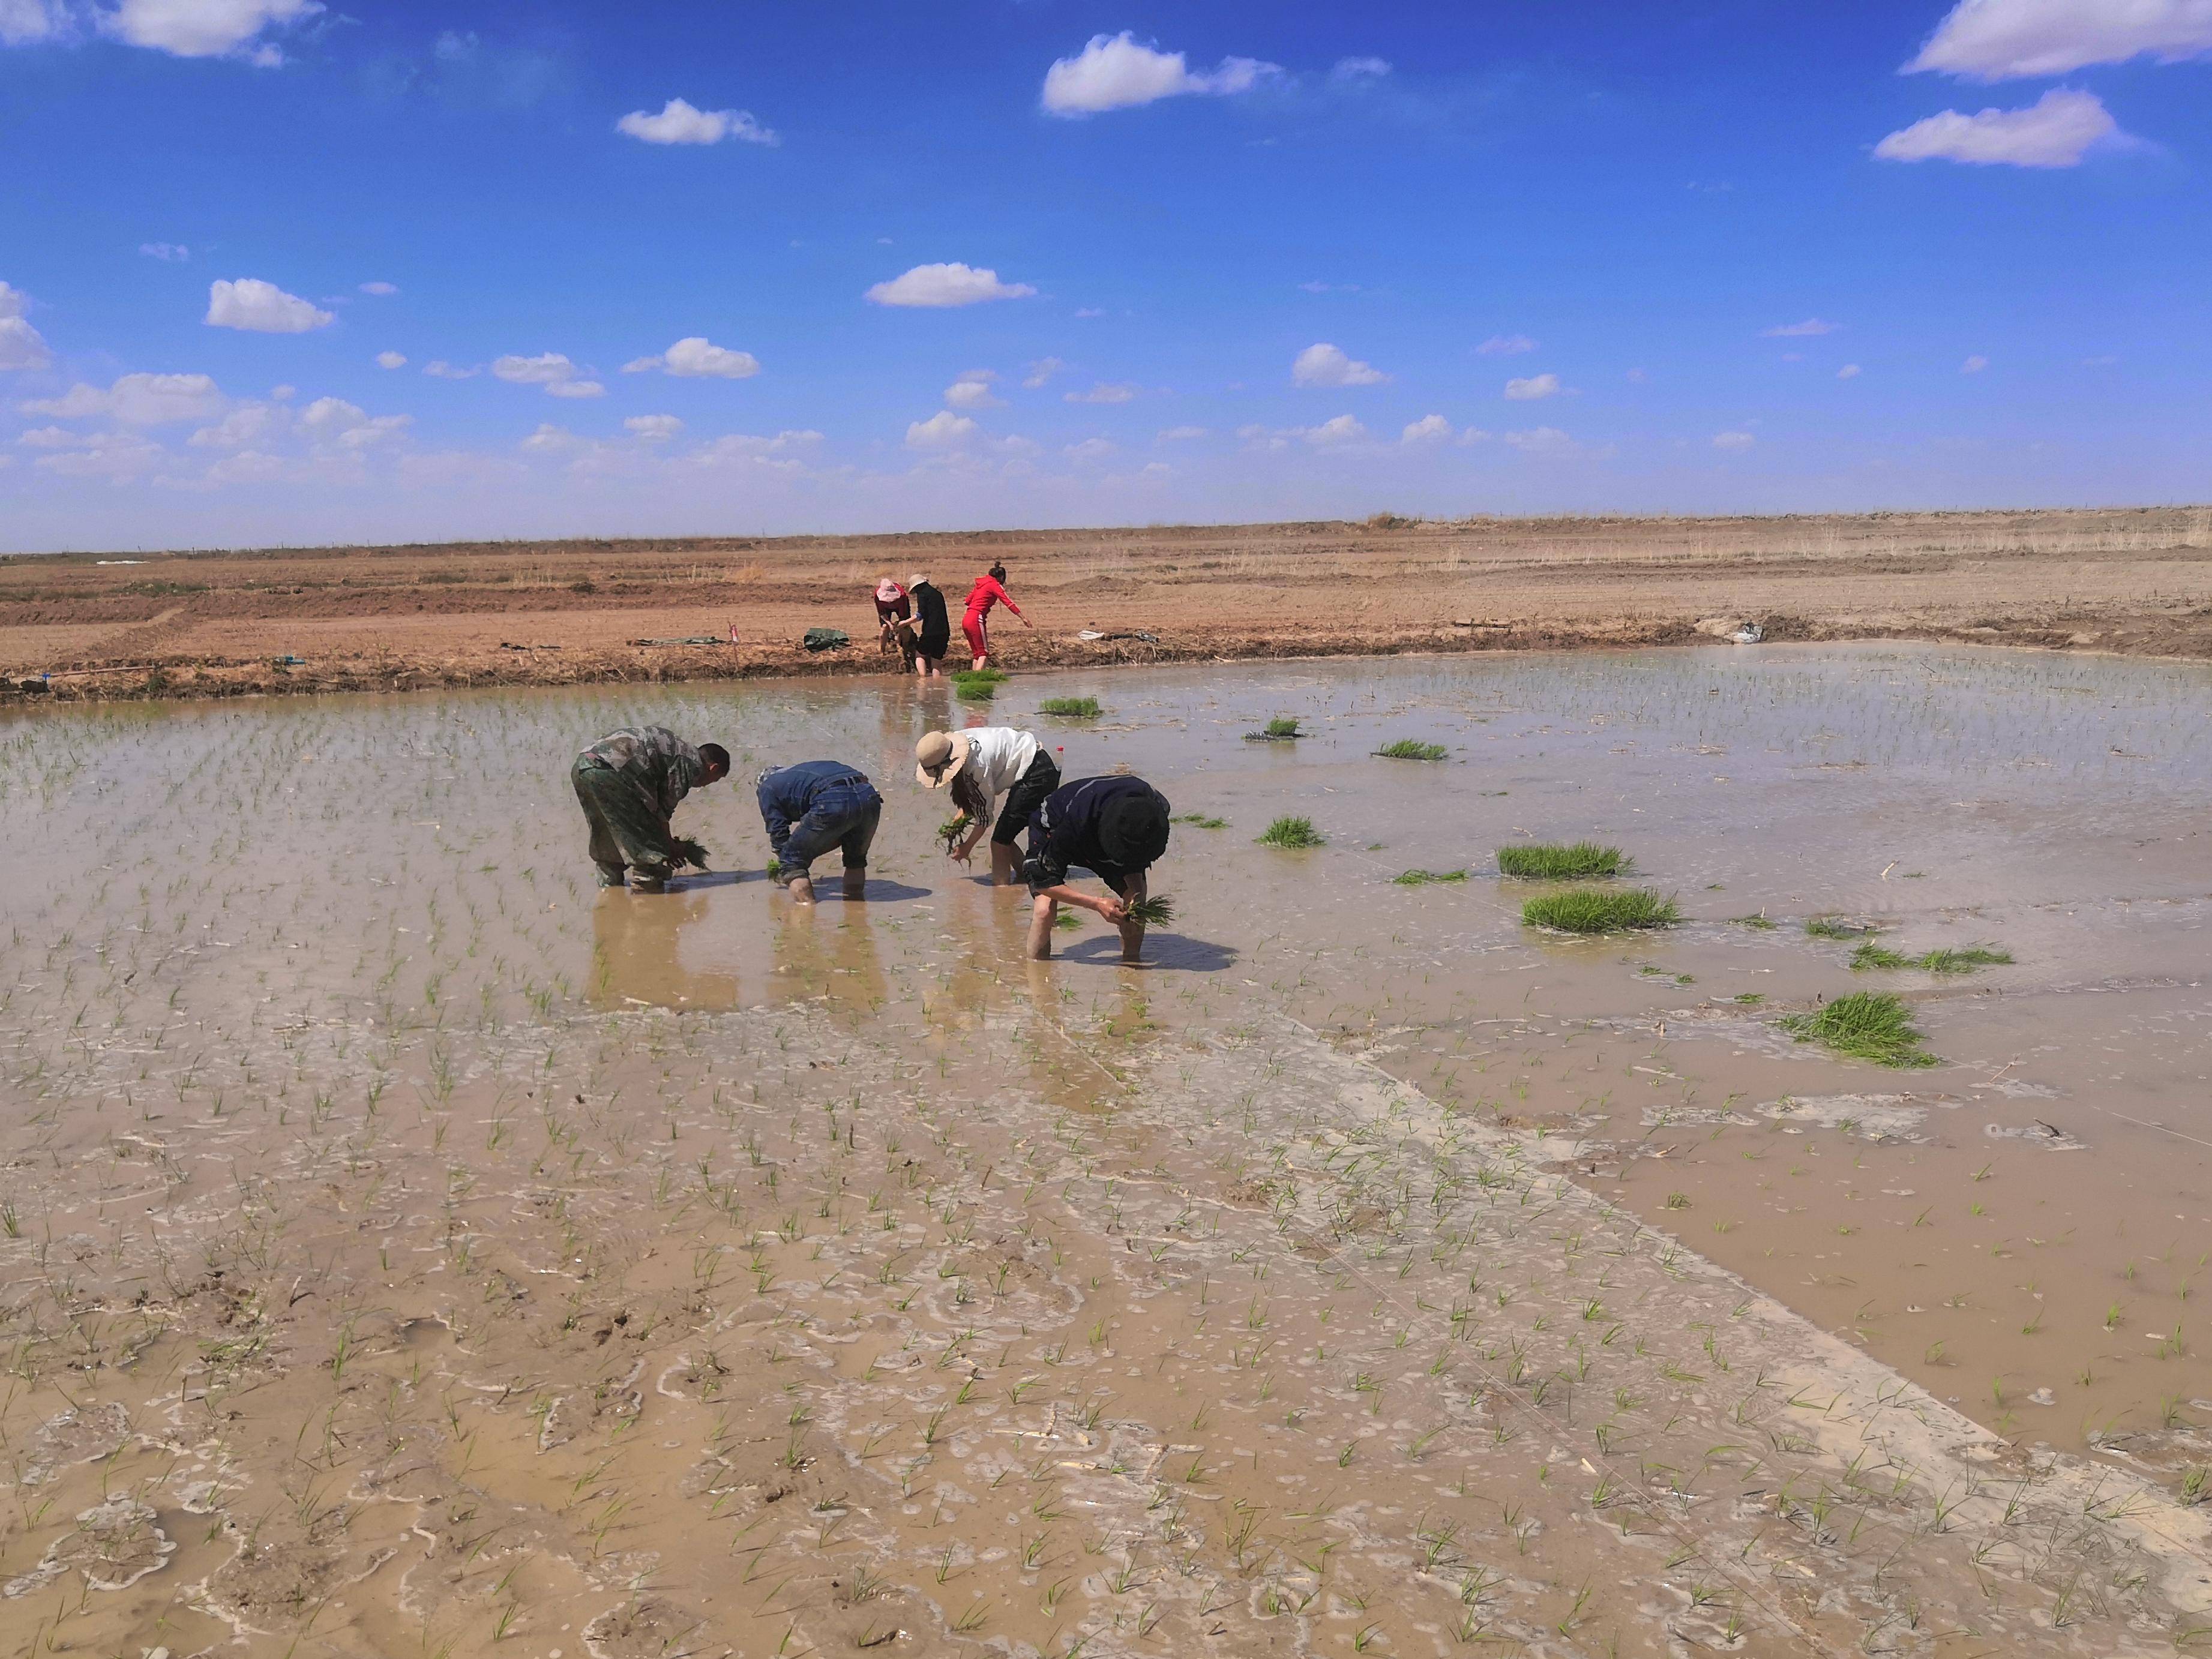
(2136, 580)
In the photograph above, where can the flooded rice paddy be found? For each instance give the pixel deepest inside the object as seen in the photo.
(406, 1250)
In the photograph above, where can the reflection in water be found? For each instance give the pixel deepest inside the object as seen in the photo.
(832, 955)
(636, 956)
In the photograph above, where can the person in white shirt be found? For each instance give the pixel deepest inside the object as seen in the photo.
(984, 767)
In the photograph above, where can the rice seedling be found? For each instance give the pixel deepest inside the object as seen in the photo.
(1200, 821)
(1075, 709)
(1836, 928)
(1586, 910)
(1758, 923)
(1284, 728)
(1412, 749)
(952, 829)
(1428, 877)
(1153, 910)
(1866, 1025)
(1550, 861)
(1291, 832)
(1964, 961)
(689, 851)
(970, 686)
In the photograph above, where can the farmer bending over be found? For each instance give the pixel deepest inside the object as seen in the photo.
(811, 807)
(984, 765)
(629, 783)
(1116, 828)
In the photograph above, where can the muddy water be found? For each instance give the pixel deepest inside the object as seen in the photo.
(407, 1249)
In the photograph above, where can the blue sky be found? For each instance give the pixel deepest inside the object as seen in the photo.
(276, 271)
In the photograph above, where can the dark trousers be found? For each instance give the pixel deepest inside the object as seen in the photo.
(626, 831)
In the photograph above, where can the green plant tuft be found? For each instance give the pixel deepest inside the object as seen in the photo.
(1426, 877)
(1153, 912)
(1837, 928)
(1933, 962)
(1548, 861)
(1200, 820)
(1758, 923)
(1413, 748)
(1282, 729)
(1074, 709)
(1866, 1025)
(1594, 911)
(972, 687)
(688, 851)
(1292, 833)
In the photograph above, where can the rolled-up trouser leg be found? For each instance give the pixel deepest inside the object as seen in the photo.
(625, 828)
(844, 818)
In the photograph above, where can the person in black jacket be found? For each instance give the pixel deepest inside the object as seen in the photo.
(1116, 828)
(932, 629)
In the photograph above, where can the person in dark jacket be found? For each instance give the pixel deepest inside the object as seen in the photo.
(933, 627)
(629, 783)
(808, 809)
(1116, 828)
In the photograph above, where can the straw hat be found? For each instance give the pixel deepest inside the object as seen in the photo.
(916, 580)
(887, 591)
(938, 758)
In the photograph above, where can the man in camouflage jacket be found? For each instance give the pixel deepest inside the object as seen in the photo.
(629, 783)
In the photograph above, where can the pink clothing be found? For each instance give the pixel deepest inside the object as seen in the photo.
(986, 593)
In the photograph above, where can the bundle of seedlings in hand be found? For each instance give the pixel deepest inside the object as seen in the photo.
(1282, 729)
(951, 830)
(1153, 912)
(1866, 1025)
(1074, 709)
(1292, 833)
(1584, 911)
(1543, 860)
(1413, 748)
(688, 851)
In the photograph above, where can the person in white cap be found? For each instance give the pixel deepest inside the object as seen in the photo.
(983, 767)
(895, 622)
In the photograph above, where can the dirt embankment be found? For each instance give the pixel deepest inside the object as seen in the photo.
(356, 618)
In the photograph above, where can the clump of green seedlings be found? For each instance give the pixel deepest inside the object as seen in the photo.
(1413, 748)
(1543, 860)
(1151, 911)
(1837, 928)
(1932, 962)
(1292, 833)
(688, 851)
(977, 686)
(1284, 728)
(1200, 821)
(952, 828)
(1866, 1025)
(1074, 709)
(1428, 877)
(1587, 910)
(1758, 923)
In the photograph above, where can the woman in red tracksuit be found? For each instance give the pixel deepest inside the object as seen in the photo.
(990, 590)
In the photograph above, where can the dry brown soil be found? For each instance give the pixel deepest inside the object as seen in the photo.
(2136, 580)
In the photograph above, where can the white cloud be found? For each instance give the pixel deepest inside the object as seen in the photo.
(1323, 364)
(1993, 40)
(1114, 72)
(439, 369)
(549, 437)
(26, 23)
(1848, 371)
(943, 430)
(1180, 433)
(1339, 429)
(1733, 440)
(246, 424)
(1974, 365)
(653, 429)
(973, 391)
(1041, 371)
(698, 358)
(137, 400)
(1506, 345)
(331, 414)
(680, 123)
(1546, 442)
(940, 285)
(1357, 71)
(205, 28)
(777, 452)
(49, 437)
(258, 307)
(114, 455)
(390, 360)
(2055, 131)
(1532, 387)
(175, 253)
(1436, 429)
(21, 346)
(1809, 327)
(548, 369)
(380, 290)
(1089, 311)
(1106, 391)
(1091, 449)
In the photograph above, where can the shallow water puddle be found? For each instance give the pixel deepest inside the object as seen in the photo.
(408, 1248)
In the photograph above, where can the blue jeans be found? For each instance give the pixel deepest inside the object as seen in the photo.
(843, 816)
